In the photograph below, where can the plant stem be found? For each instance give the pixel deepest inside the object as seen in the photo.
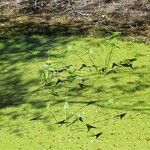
(93, 62)
(80, 58)
(108, 58)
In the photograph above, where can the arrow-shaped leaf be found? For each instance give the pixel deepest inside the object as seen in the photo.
(121, 116)
(89, 127)
(97, 135)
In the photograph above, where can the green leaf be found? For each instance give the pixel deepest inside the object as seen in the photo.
(66, 105)
(48, 105)
(45, 65)
(116, 34)
(90, 51)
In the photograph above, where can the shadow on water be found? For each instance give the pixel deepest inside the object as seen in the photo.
(21, 49)
(13, 92)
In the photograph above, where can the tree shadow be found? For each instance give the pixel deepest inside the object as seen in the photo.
(14, 92)
(17, 50)
(75, 93)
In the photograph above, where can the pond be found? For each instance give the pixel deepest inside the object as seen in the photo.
(74, 93)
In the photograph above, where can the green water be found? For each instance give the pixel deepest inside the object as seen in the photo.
(29, 110)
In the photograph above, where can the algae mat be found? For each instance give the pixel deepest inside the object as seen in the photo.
(90, 110)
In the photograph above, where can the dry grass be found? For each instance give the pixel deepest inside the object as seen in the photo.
(128, 16)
